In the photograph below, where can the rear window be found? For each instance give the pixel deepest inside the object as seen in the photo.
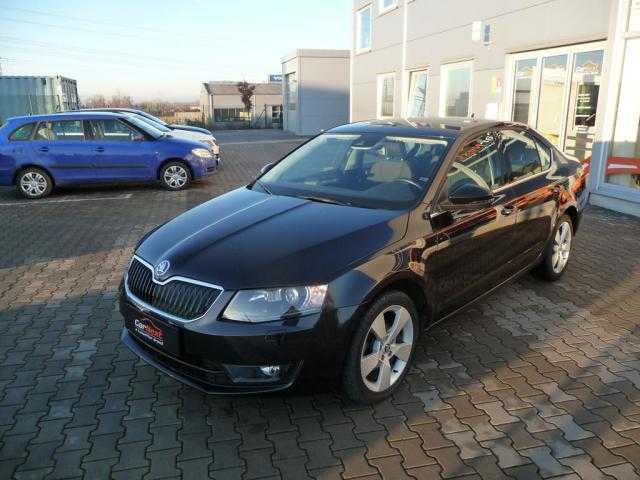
(22, 133)
(63, 130)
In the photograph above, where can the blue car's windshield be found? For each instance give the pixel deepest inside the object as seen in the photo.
(154, 124)
(153, 119)
(370, 170)
(150, 129)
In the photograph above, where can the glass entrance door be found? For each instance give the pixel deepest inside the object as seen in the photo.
(552, 92)
(556, 91)
(583, 103)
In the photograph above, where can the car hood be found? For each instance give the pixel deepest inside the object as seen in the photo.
(247, 239)
(191, 128)
(191, 135)
(188, 143)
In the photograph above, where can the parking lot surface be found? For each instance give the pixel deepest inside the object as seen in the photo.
(537, 381)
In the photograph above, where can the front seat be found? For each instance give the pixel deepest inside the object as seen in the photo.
(393, 167)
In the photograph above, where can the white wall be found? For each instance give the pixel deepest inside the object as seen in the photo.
(440, 32)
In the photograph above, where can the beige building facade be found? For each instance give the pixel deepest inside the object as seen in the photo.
(565, 67)
(221, 105)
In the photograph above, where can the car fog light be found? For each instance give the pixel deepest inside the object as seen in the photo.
(256, 374)
(271, 371)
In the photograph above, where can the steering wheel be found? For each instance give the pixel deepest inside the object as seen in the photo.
(408, 181)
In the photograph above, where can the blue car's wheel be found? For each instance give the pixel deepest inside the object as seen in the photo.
(34, 183)
(175, 176)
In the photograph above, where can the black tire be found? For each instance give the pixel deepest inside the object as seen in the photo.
(549, 269)
(353, 383)
(175, 176)
(34, 183)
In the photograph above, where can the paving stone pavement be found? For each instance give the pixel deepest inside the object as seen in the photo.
(537, 381)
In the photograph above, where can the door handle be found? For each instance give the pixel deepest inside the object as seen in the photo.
(43, 149)
(99, 149)
(508, 210)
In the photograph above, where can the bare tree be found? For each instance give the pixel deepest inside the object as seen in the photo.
(96, 101)
(121, 100)
(246, 94)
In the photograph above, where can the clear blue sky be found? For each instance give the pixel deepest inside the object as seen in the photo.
(163, 49)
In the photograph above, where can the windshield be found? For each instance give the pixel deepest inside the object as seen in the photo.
(153, 119)
(150, 129)
(368, 170)
(148, 121)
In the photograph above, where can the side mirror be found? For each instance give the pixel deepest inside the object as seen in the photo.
(472, 195)
(266, 168)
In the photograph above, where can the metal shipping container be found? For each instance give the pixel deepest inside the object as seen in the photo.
(22, 95)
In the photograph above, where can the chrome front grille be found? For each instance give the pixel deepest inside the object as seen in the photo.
(178, 298)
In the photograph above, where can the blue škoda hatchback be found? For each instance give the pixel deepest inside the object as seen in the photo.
(40, 152)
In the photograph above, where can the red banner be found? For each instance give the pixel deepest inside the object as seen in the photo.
(618, 165)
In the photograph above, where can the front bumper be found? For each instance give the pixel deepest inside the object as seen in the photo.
(211, 350)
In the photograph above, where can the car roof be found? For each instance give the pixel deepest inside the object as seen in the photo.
(68, 116)
(111, 109)
(449, 127)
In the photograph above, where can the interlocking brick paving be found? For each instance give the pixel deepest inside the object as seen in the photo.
(538, 380)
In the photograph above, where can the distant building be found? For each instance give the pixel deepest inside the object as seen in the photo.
(23, 95)
(222, 107)
(316, 90)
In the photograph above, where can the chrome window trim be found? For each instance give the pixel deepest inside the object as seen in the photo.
(147, 307)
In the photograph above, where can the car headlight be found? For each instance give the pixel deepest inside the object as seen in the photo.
(266, 305)
(202, 153)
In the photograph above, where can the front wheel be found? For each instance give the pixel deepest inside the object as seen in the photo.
(557, 253)
(34, 183)
(382, 349)
(175, 176)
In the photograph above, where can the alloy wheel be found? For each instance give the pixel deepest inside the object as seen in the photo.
(561, 247)
(176, 176)
(33, 184)
(387, 348)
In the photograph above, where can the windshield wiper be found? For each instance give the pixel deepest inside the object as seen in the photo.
(264, 187)
(331, 201)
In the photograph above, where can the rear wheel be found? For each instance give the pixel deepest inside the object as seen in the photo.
(382, 349)
(33, 183)
(557, 253)
(175, 176)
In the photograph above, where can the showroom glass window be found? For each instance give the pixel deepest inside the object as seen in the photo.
(386, 94)
(623, 164)
(552, 87)
(525, 72)
(556, 91)
(455, 98)
(68, 130)
(417, 104)
(363, 29)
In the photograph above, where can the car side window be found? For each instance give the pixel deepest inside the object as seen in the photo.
(114, 130)
(543, 151)
(63, 130)
(22, 133)
(478, 161)
(521, 155)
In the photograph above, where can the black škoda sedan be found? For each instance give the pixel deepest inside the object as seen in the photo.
(335, 258)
